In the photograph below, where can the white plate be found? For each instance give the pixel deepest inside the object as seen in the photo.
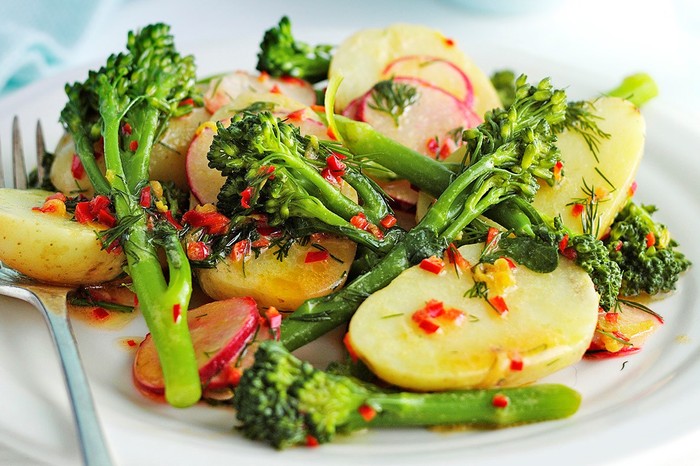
(631, 405)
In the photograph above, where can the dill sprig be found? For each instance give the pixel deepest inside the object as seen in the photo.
(392, 98)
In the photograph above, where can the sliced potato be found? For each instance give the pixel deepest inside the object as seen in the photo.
(49, 247)
(282, 284)
(167, 157)
(545, 334)
(619, 157)
(362, 59)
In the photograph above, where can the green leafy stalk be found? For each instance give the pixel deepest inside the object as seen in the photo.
(638, 88)
(142, 88)
(283, 401)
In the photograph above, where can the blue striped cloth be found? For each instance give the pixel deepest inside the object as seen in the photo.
(38, 37)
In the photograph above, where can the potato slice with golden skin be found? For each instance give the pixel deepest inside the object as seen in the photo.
(283, 284)
(362, 59)
(549, 325)
(167, 157)
(51, 248)
(619, 157)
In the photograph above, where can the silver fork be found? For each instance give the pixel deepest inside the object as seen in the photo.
(51, 301)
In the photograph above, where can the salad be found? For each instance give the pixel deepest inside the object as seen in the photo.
(477, 234)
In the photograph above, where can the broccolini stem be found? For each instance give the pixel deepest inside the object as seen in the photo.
(487, 408)
(164, 306)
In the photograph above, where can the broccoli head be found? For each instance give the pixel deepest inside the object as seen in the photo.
(284, 401)
(645, 252)
(282, 55)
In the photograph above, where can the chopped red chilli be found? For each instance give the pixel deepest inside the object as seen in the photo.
(499, 304)
(650, 239)
(145, 199)
(516, 363)
(177, 313)
(432, 264)
(577, 209)
(316, 256)
(360, 221)
(133, 145)
(500, 401)
(246, 195)
(367, 412)
(388, 221)
(197, 250)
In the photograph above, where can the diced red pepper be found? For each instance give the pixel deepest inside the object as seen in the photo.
(618, 246)
(491, 234)
(563, 243)
(133, 145)
(275, 90)
(499, 304)
(106, 218)
(197, 250)
(76, 167)
(145, 199)
(454, 315)
(611, 317)
(558, 167)
(359, 221)
(500, 401)
(293, 81)
(58, 196)
(331, 135)
(296, 115)
(429, 326)
(434, 308)
(632, 189)
(246, 195)
(511, 264)
(328, 175)
(388, 221)
(126, 129)
(188, 101)
(367, 412)
(82, 212)
(516, 363)
(312, 441)
(240, 249)
(570, 253)
(449, 42)
(316, 256)
(100, 313)
(260, 243)
(577, 209)
(456, 257)
(214, 223)
(334, 163)
(171, 220)
(177, 312)
(432, 264)
(650, 239)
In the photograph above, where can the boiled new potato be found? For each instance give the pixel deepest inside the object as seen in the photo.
(618, 156)
(549, 325)
(48, 247)
(283, 284)
(167, 157)
(363, 58)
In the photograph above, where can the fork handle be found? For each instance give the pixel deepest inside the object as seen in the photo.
(92, 443)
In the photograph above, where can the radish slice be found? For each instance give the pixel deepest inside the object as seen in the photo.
(205, 183)
(426, 125)
(223, 90)
(219, 330)
(436, 71)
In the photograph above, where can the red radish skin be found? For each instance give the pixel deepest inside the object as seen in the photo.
(220, 331)
(204, 182)
(223, 90)
(434, 115)
(435, 71)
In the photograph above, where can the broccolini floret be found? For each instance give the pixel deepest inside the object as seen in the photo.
(284, 401)
(270, 168)
(282, 55)
(644, 251)
(125, 106)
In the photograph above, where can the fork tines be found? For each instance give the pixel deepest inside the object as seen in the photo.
(18, 168)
